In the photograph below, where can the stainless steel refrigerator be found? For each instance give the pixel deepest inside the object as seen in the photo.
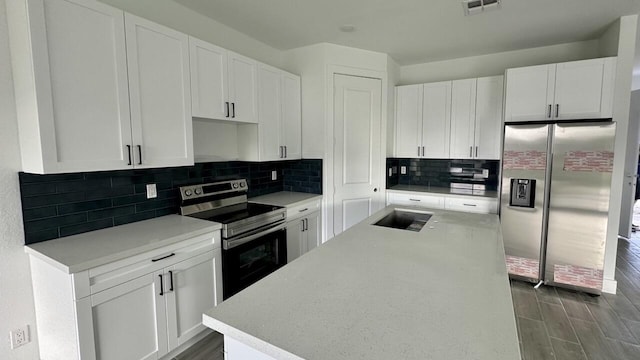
(556, 180)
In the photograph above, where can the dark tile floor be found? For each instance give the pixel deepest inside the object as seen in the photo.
(558, 324)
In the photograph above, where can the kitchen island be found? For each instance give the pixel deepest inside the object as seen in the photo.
(382, 293)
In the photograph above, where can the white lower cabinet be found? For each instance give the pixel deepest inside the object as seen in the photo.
(303, 235)
(142, 307)
(474, 204)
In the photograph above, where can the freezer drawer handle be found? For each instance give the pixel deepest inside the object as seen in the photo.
(164, 257)
(470, 204)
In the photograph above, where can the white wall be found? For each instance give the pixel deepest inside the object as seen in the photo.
(181, 18)
(16, 296)
(496, 64)
(628, 29)
(393, 72)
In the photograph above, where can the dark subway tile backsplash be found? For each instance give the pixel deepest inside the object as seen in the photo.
(60, 205)
(442, 172)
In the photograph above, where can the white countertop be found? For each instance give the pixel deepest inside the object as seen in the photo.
(76, 253)
(285, 198)
(381, 293)
(442, 191)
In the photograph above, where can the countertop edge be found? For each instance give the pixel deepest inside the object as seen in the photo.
(311, 197)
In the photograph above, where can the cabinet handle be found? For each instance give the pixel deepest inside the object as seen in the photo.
(161, 285)
(418, 200)
(233, 110)
(469, 204)
(549, 112)
(306, 224)
(303, 210)
(418, 151)
(285, 151)
(470, 151)
(280, 152)
(476, 151)
(129, 152)
(170, 280)
(164, 257)
(226, 114)
(423, 151)
(557, 110)
(139, 154)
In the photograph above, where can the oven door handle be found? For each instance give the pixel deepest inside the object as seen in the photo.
(230, 244)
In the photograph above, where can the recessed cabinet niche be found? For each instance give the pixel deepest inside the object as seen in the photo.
(97, 89)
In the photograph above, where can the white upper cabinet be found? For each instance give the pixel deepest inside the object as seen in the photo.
(488, 124)
(158, 63)
(573, 90)
(463, 110)
(408, 121)
(278, 133)
(70, 74)
(436, 120)
(223, 84)
(96, 91)
(423, 120)
(209, 80)
(242, 88)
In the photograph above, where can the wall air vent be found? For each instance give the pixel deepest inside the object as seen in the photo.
(472, 7)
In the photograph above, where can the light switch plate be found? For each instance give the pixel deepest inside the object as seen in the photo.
(403, 170)
(152, 192)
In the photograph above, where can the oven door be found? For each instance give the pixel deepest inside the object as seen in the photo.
(249, 258)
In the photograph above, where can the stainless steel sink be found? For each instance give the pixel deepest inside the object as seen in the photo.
(412, 220)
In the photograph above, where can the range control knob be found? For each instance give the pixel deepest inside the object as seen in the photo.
(187, 192)
(198, 191)
(235, 185)
(242, 184)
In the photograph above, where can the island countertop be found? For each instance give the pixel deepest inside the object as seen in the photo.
(381, 293)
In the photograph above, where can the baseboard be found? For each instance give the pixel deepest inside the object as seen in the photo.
(609, 286)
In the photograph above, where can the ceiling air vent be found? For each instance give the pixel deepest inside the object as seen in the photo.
(472, 7)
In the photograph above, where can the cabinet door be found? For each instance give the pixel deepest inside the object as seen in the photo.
(209, 84)
(80, 74)
(312, 231)
(294, 239)
(158, 63)
(436, 120)
(408, 121)
(191, 290)
(463, 110)
(529, 93)
(488, 124)
(584, 89)
(291, 116)
(129, 320)
(269, 113)
(243, 88)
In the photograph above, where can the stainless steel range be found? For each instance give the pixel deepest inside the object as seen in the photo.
(253, 235)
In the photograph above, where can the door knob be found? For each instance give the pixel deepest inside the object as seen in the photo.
(375, 190)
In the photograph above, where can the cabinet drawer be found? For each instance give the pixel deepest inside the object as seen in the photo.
(303, 209)
(430, 201)
(475, 205)
(109, 275)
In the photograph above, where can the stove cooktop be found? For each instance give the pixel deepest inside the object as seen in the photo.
(235, 213)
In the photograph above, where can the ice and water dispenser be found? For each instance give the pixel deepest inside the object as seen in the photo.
(523, 193)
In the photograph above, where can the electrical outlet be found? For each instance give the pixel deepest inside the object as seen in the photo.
(403, 170)
(390, 172)
(274, 175)
(152, 192)
(19, 336)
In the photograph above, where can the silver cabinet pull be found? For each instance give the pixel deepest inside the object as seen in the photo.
(161, 285)
(129, 152)
(549, 112)
(139, 154)
(476, 150)
(557, 110)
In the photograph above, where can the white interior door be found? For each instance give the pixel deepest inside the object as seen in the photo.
(357, 154)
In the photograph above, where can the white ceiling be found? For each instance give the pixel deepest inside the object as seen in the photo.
(416, 31)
